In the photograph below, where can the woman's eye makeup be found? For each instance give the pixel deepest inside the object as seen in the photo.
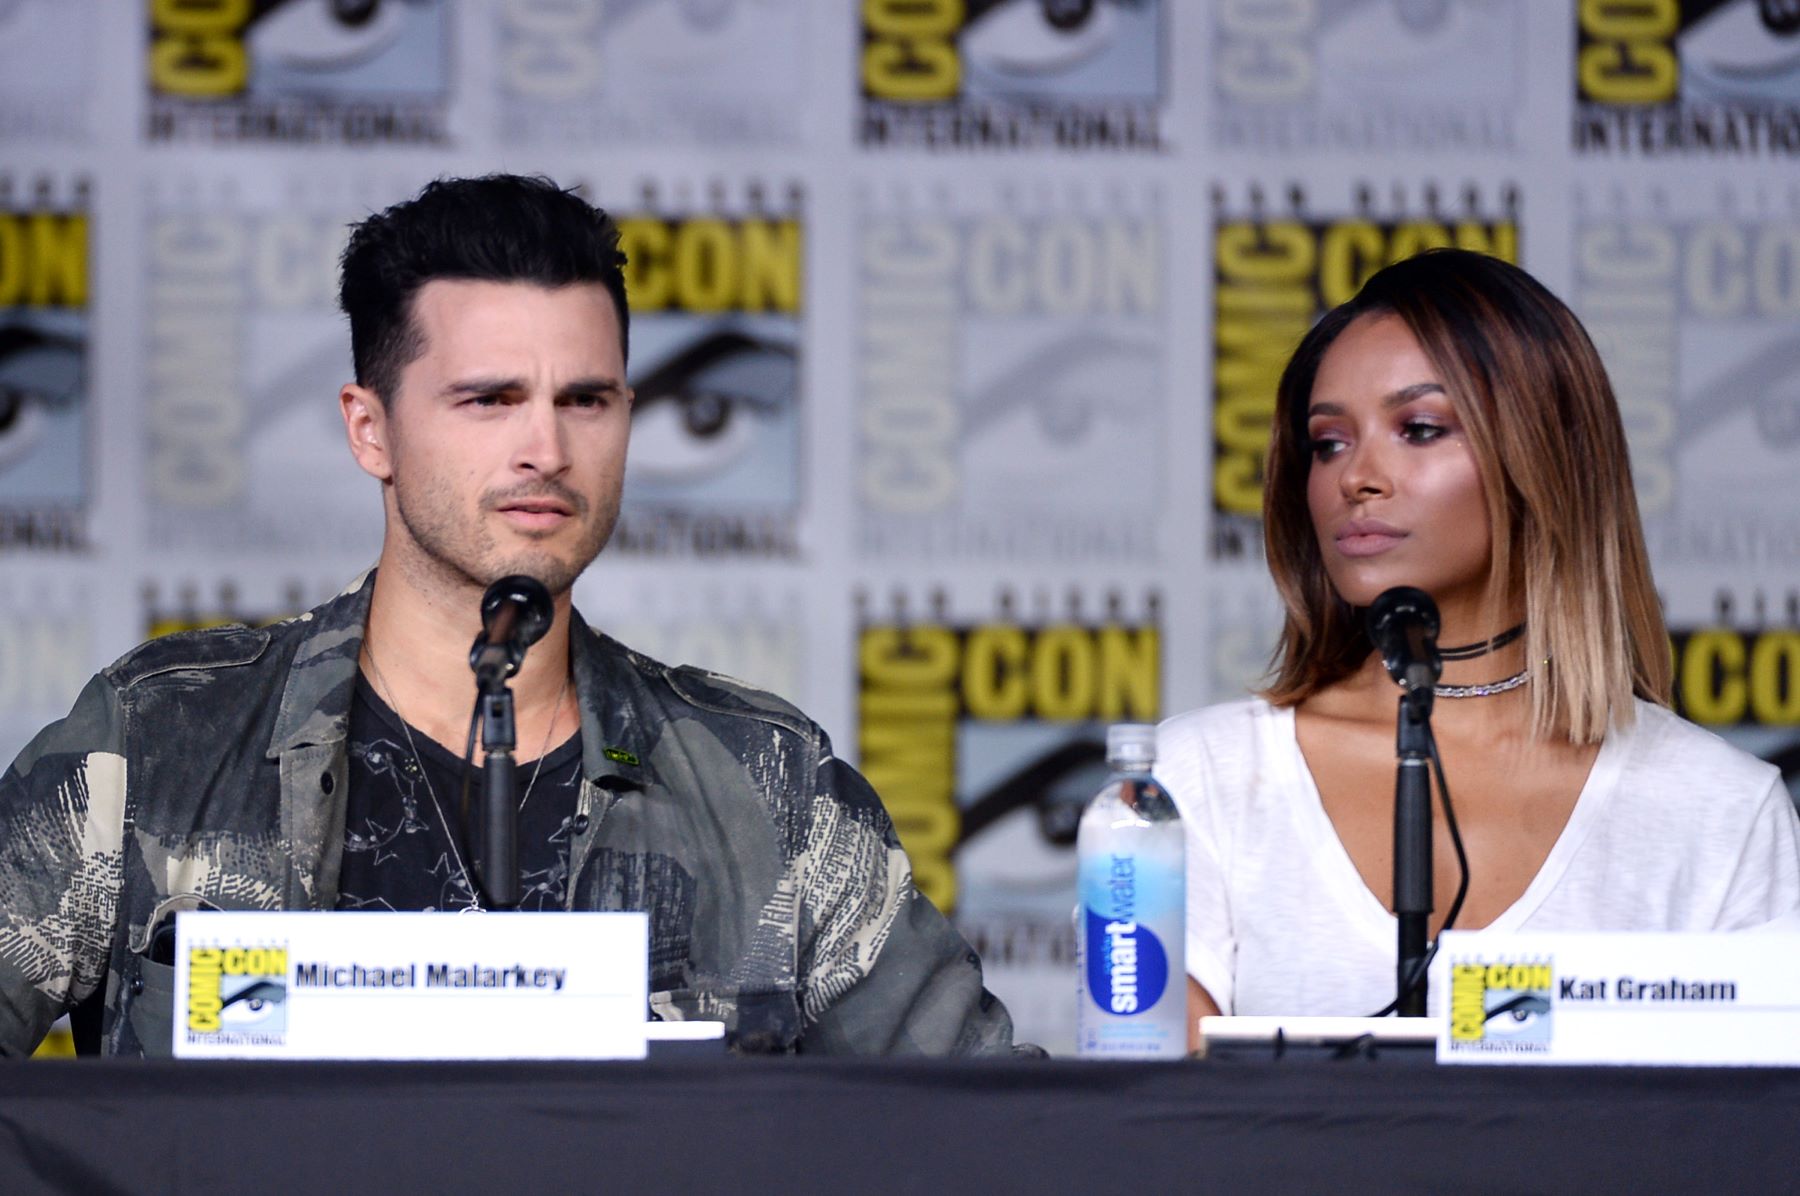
(1322, 446)
(1326, 443)
(1423, 431)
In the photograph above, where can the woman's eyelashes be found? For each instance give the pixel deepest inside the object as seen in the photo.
(1423, 431)
(1324, 444)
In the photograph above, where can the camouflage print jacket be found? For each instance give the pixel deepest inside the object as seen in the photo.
(208, 769)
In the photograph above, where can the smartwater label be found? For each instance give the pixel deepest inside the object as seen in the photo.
(1133, 1003)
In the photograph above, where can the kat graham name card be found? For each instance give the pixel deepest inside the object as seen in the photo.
(1625, 998)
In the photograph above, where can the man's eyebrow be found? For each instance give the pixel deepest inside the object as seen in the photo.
(491, 386)
(484, 386)
(1398, 398)
(593, 386)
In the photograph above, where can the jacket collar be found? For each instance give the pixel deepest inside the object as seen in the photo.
(321, 682)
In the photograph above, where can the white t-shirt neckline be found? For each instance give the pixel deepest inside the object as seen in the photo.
(1673, 830)
(1351, 892)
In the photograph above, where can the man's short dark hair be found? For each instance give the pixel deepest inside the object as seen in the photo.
(497, 228)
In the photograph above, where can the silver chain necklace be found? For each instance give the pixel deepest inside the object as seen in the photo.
(424, 775)
(1484, 690)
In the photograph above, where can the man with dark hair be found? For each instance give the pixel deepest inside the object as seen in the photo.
(317, 764)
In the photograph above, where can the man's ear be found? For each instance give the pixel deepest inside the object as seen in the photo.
(366, 424)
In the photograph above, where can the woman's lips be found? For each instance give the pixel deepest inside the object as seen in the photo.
(1367, 537)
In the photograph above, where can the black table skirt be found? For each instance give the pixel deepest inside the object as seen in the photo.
(729, 1125)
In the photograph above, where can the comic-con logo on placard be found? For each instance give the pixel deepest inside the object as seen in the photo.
(1693, 306)
(716, 292)
(46, 68)
(1367, 75)
(237, 994)
(45, 415)
(298, 72)
(1278, 265)
(1013, 74)
(1011, 361)
(244, 351)
(1713, 77)
(1502, 1006)
(663, 72)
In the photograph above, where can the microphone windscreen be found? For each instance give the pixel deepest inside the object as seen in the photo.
(1399, 602)
(530, 600)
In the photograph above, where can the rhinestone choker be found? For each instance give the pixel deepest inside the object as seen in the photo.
(1485, 690)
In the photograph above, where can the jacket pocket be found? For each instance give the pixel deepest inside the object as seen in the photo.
(149, 1009)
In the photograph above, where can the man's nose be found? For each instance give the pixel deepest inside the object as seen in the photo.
(541, 447)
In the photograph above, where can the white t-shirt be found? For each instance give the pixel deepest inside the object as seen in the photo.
(1675, 829)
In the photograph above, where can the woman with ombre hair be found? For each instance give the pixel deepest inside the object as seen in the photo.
(1451, 428)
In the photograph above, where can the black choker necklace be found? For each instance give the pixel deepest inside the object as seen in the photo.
(1471, 651)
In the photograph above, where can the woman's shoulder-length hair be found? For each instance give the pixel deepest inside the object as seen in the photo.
(1540, 417)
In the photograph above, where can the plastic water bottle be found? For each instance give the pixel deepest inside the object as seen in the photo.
(1130, 922)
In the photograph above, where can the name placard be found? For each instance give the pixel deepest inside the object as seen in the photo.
(305, 985)
(1627, 998)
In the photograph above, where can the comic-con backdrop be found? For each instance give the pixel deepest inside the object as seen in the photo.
(956, 325)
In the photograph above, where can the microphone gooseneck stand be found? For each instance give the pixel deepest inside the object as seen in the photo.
(1412, 849)
(515, 612)
(1403, 624)
(499, 811)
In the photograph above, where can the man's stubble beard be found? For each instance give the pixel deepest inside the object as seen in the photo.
(462, 550)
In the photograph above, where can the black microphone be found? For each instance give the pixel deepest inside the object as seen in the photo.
(515, 613)
(1403, 624)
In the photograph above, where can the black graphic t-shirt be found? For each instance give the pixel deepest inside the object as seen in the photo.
(403, 850)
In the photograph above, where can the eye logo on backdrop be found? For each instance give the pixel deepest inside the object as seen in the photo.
(298, 72)
(1013, 74)
(587, 72)
(715, 290)
(1694, 76)
(46, 73)
(1011, 348)
(45, 418)
(1278, 265)
(985, 737)
(1368, 75)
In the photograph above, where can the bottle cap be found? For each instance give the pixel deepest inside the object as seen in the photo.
(1131, 746)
